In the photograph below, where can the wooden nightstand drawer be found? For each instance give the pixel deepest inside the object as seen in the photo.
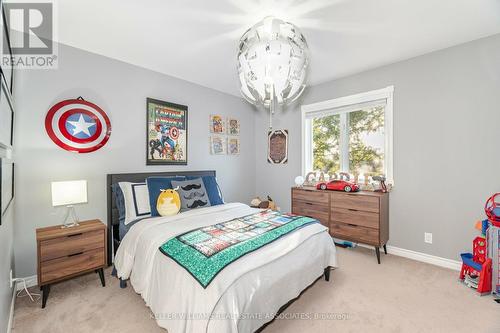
(312, 196)
(71, 244)
(354, 233)
(63, 253)
(356, 201)
(357, 217)
(72, 264)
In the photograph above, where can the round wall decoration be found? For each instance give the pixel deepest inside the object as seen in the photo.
(77, 125)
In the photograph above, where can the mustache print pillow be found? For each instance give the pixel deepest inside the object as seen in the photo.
(193, 193)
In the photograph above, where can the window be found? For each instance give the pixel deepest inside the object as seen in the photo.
(350, 134)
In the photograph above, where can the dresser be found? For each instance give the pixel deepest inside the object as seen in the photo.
(361, 217)
(64, 253)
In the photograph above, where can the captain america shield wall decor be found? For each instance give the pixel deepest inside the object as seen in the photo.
(77, 125)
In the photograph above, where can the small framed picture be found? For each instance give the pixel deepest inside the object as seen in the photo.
(217, 145)
(277, 146)
(233, 146)
(217, 124)
(233, 126)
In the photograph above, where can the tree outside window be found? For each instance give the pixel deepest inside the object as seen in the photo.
(364, 130)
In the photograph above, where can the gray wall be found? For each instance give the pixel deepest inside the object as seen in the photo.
(445, 129)
(121, 90)
(6, 264)
(446, 143)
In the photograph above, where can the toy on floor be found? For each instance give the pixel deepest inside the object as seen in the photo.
(493, 252)
(492, 209)
(344, 243)
(476, 267)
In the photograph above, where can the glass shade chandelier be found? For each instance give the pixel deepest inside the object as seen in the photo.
(273, 59)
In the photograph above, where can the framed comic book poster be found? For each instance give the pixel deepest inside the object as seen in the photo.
(217, 145)
(167, 133)
(233, 126)
(277, 146)
(233, 146)
(217, 124)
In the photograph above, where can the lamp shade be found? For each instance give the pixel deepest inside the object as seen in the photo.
(273, 59)
(69, 192)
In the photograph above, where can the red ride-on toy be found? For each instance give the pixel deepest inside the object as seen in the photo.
(476, 267)
(338, 185)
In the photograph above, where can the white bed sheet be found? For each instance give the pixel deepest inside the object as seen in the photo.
(243, 296)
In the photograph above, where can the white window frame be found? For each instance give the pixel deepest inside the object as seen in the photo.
(339, 106)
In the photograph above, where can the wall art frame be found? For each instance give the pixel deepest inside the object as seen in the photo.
(217, 124)
(166, 133)
(217, 145)
(277, 146)
(233, 126)
(233, 145)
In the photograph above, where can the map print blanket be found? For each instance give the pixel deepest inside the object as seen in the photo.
(206, 251)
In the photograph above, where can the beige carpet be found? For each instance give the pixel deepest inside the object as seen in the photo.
(400, 295)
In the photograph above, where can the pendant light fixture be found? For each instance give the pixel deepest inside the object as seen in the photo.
(273, 59)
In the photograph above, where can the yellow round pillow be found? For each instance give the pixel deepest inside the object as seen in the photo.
(168, 203)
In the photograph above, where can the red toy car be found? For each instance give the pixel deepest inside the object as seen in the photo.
(338, 185)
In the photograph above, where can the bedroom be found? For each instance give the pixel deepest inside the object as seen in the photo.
(401, 89)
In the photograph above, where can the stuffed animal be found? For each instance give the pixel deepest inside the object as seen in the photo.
(169, 202)
(264, 204)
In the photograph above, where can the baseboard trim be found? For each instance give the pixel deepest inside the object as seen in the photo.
(422, 257)
(31, 281)
(11, 314)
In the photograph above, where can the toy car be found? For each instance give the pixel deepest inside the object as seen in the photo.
(338, 185)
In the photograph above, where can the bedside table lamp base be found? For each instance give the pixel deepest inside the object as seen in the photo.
(71, 219)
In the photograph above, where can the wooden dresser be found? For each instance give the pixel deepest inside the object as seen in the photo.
(67, 252)
(361, 217)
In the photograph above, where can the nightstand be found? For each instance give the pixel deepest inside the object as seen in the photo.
(64, 253)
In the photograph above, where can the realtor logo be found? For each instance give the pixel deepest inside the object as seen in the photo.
(31, 28)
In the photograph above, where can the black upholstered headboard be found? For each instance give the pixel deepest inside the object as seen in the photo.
(113, 221)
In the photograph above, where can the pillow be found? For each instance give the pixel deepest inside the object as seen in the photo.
(168, 203)
(213, 189)
(193, 193)
(155, 185)
(120, 201)
(136, 201)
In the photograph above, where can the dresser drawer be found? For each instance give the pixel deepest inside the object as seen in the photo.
(318, 212)
(357, 217)
(66, 245)
(355, 233)
(356, 201)
(72, 264)
(316, 197)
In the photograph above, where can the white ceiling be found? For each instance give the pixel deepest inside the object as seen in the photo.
(196, 40)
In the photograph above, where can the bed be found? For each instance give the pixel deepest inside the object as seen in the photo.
(244, 296)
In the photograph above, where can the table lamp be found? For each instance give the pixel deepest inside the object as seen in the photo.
(69, 193)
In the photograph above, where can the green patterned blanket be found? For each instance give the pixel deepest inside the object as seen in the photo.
(205, 251)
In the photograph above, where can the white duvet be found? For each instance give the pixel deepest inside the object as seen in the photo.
(243, 296)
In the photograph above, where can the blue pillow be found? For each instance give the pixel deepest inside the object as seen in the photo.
(155, 185)
(120, 201)
(213, 191)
